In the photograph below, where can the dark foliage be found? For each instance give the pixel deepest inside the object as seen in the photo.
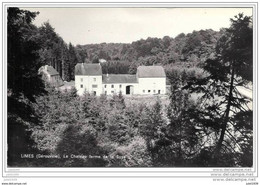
(22, 54)
(223, 107)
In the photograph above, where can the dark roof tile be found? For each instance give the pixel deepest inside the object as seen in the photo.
(119, 78)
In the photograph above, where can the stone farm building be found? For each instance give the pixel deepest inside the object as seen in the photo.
(148, 80)
(50, 75)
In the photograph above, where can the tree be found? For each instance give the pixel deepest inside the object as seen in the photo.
(55, 52)
(236, 52)
(47, 38)
(151, 129)
(79, 140)
(24, 83)
(72, 61)
(174, 143)
(95, 59)
(22, 54)
(222, 102)
(135, 154)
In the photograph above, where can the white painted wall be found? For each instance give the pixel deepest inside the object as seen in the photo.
(88, 82)
(116, 89)
(152, 84)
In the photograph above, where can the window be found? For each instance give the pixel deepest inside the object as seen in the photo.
(105, 86)
(143, 91)
(159, 91)
(112, 92)
(81, 79)
(81, 85)
(153, 91)
(112, 86)
(94, 86)
(120, 86)
(105, 92)
(95, 93)
(149, 90)
(94, 79)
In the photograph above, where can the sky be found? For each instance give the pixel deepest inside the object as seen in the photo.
(125, 25)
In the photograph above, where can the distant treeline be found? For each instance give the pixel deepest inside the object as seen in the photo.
(193, 47)
(185, 50)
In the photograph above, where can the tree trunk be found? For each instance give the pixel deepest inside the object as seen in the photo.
(226, 116)
(62, 70)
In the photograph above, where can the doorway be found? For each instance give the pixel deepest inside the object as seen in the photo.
(129, 89)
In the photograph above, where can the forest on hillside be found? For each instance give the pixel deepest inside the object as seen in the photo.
(190, 50)
(213, 130)
(194, 47)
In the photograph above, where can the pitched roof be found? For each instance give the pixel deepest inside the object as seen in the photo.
(52, 71)
(150, 71)
(119, 78)
(88, 69)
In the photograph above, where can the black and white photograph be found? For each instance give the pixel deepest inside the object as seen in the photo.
(131, 87)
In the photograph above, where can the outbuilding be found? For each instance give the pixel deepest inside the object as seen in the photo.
(50, 75)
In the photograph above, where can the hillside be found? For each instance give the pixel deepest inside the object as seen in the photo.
(193, 47)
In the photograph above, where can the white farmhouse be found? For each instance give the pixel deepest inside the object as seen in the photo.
(148, 80)
(88, 77)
